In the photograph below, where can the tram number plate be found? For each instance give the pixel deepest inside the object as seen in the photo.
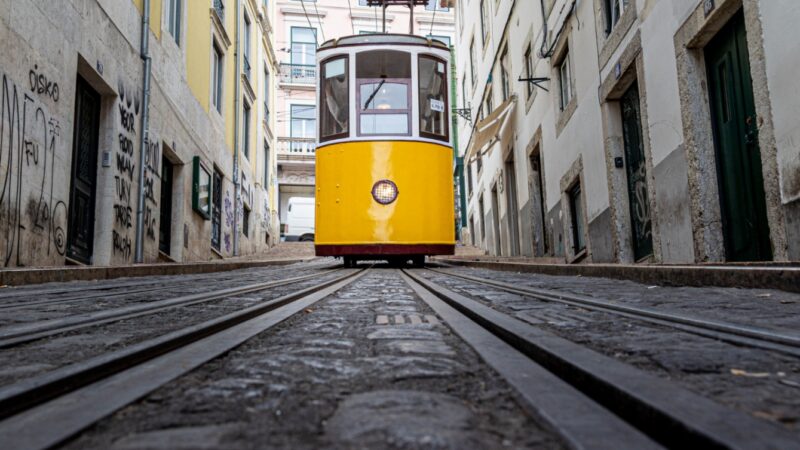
(437, 105)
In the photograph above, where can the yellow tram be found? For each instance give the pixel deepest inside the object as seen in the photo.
(384, 165)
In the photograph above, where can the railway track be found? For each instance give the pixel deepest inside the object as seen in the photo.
(590, 400)
(667, 414)
(784, 342)
(15, 335)
(46, 410)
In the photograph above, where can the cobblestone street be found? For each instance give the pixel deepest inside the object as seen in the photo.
(311, 355)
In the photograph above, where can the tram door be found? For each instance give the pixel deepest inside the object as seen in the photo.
(641, 224)
(741, 182)
(84, 173)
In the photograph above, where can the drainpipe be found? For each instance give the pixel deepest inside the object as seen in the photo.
(236, 103)
(145, 54)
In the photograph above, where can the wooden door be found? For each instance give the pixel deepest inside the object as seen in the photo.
(741, 182)
(636, 168)
(83, 177)
(165, 212)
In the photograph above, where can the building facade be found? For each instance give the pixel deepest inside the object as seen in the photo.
(631, 130)
(301, 27)
(91, 145)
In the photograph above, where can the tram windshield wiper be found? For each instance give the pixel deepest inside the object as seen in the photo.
(374, 93)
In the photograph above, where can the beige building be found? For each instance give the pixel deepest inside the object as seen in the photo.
(301, 26)
(631, 130)
(118, 147)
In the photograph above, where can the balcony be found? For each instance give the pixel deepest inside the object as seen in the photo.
(298, 74)
(219, 8)
(297, 146)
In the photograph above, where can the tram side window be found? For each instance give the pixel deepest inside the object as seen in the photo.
(433, 98)
(335, 102)
(383, 78)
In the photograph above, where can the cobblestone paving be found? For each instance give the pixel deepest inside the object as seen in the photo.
(369, 367)
(50, 353)
(763, 383)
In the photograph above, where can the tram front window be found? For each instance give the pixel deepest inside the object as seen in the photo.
(384, 90)
(433, 98)
(335, 93)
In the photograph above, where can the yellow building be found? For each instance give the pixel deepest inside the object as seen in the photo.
(154, 147)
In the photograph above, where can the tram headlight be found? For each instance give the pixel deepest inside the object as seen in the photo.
(384, 192)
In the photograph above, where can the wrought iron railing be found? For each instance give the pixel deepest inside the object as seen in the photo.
(219, 7)
(297, 146)
(298, 73)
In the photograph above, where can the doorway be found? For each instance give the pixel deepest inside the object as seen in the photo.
(741, 182)
(541, 243)
(165, 218)
(512, 214)
(636, 170)
(83, 176)
(496, 221)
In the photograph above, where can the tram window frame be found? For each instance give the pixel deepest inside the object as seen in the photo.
(323, 110)
(408, 111)
(445, 90)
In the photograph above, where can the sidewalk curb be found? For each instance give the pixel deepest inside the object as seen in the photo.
(761, 277)
(19, 277)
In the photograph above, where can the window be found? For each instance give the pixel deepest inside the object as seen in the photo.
(266, 164)
(529, 68)
(472, 61)
(304, 46)
(433, 5)
(433, 98)
(174, 19)
(576, 211)
(383, 79)
(201, 188)
(469, 179)
(335, 99)
(613, 10)
(479, 163)
(302, 127)
(484, 22)
(464, 92)
(246, 39)
(246, 130)
(217, 78)
(266, 94)
(488, 103)
(504, 69)
(565, 81)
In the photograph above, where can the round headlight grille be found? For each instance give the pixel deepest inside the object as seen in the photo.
(384, 192)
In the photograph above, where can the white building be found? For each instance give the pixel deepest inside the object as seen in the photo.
(631, 130)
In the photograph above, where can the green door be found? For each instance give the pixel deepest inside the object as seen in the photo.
(641, 223)
(741, 183)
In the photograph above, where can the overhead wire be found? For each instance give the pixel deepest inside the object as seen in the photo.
(303, 4)
(319, 21)
(352, 26)
(434, 17)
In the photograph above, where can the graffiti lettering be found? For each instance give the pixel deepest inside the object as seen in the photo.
(41, 85)
(122, 244)
(150, 223)
(123, 215)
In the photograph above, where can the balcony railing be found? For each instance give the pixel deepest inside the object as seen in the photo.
(219, 7)
(298, 74)
(297, 146)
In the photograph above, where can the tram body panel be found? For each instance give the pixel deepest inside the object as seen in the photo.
(351, 221)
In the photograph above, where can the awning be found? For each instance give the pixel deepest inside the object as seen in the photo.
(495, 127)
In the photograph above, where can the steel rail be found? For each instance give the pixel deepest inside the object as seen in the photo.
(14, 335)
(732, 333)
(24, 403)
(668, 413)
(53, 301)
(579, 420)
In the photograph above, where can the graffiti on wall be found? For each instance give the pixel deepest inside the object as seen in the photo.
(33, 213)
(128, 107)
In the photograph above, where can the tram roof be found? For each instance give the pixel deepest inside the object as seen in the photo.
(382, 39)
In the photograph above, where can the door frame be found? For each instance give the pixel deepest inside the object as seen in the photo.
(690, 40)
